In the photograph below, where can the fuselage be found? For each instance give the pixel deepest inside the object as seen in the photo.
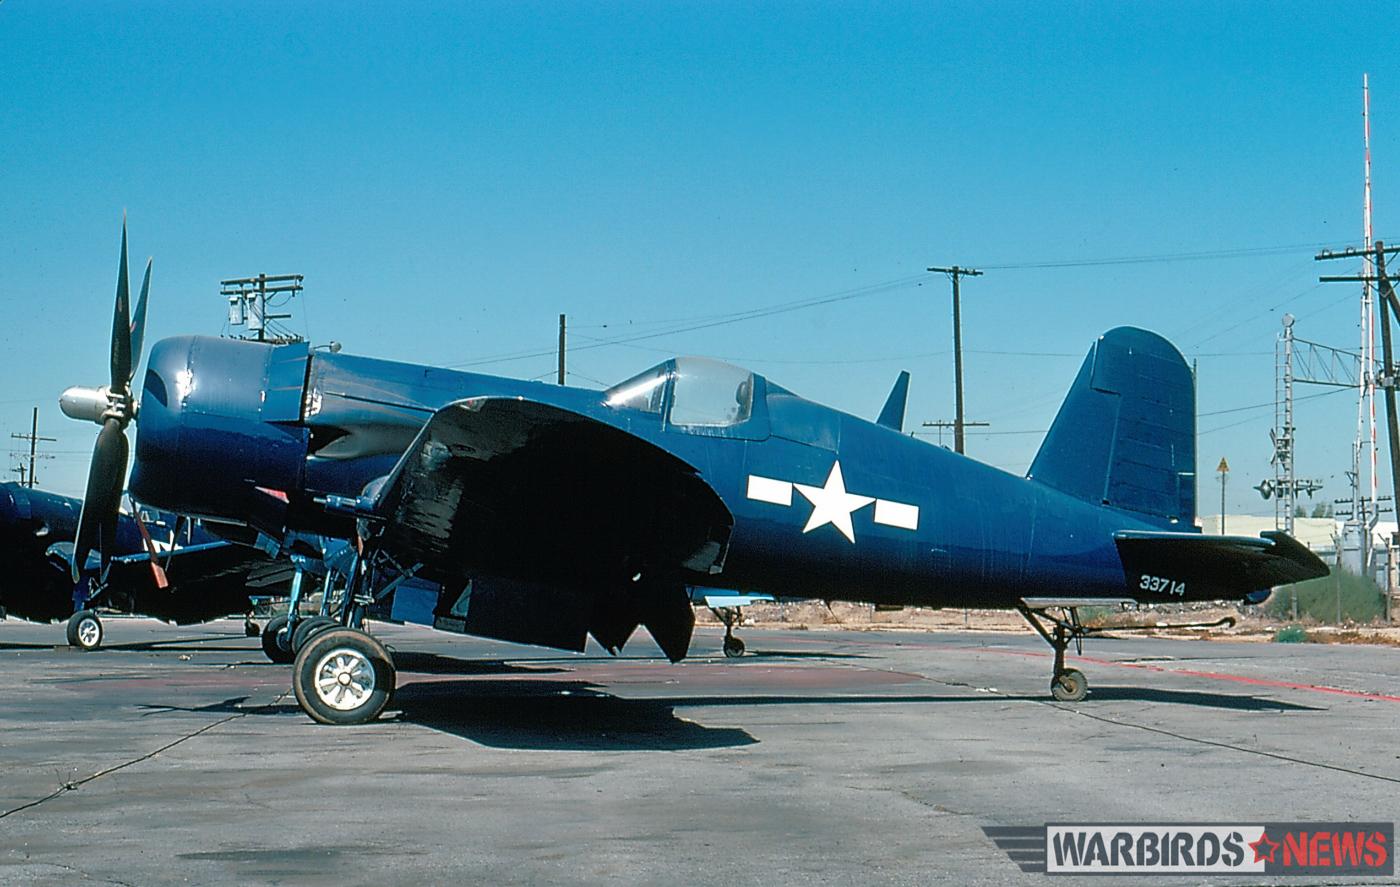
(824, 504)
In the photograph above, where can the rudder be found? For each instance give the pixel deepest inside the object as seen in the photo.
(1126, 434)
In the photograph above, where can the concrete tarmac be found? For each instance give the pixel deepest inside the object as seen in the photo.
(178, 756)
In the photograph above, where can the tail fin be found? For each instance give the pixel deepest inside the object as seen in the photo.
(892, 416)
(1126, 433)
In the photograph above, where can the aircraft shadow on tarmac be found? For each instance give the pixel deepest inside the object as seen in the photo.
(555, 715)
(1231, 701)
(576, 715)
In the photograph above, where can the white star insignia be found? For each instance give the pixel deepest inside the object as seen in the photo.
(831, 504)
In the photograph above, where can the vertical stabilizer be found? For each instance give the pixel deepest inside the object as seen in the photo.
(892, 416)
(1126, 434)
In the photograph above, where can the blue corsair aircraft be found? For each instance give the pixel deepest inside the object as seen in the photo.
(544, 514)
(160, 566)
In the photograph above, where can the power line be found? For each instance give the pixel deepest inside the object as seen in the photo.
(722, 320)
(1240, 253)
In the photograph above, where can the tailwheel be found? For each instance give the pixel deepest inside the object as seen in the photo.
(275, 642)
(85, 630)
(1066, 684)
(1069, 686)
(343, 676)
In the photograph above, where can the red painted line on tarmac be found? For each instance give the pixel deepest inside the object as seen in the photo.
(1212, 675)
(1242, 679)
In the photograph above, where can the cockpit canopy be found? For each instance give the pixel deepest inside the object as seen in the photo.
(702, 393)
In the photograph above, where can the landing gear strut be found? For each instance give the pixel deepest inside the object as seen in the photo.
(1066, 684)
(1069, 684)
(730, 616)
(341, 674)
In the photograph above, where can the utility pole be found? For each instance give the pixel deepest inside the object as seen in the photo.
(1223, 469)
(956, 272)
(561, 348)
(944, 423)
(1374, 271)
(248, 303)
(33, 438)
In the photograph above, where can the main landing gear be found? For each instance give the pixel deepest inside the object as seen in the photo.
(730, 616)
(343, 676)
(284, 636)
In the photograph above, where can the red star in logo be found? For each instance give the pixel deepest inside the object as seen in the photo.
(1259, 852)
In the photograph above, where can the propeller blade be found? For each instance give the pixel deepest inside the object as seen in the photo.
(157, 571)
(102, 499)
(121, 326)
(138, 323)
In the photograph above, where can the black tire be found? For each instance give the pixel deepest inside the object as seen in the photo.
(1070, 686)
(272, 644)
(733, 647)
(342, 676)
(308, 627)
(85, 630)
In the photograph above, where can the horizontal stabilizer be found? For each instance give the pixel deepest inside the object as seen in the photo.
(1165, 566)
(892, 416)
(721, 600)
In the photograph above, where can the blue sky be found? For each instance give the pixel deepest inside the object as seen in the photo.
(451, 177)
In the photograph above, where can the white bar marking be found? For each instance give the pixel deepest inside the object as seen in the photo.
(766, 489)
(896, 514)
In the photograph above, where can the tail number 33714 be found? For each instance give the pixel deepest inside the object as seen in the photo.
(1162, 585)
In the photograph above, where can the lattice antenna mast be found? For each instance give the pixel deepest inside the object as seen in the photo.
(1367, 393)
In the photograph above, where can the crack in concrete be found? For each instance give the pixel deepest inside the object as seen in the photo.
(74, 785)
(1162, 731)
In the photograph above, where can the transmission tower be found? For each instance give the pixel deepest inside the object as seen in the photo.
(1316, 365)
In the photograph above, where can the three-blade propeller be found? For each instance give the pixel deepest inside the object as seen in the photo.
(113, 407)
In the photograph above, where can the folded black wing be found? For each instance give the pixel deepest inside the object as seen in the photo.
(517, 487)
(1164, 566)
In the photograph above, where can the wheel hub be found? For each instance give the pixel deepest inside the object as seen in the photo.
(88, 632)
(344, 679)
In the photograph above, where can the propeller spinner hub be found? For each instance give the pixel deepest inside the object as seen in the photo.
(97, 405)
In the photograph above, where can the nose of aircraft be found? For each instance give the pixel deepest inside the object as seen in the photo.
(219, 419)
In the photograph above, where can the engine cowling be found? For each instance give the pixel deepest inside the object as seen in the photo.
(220, 431)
